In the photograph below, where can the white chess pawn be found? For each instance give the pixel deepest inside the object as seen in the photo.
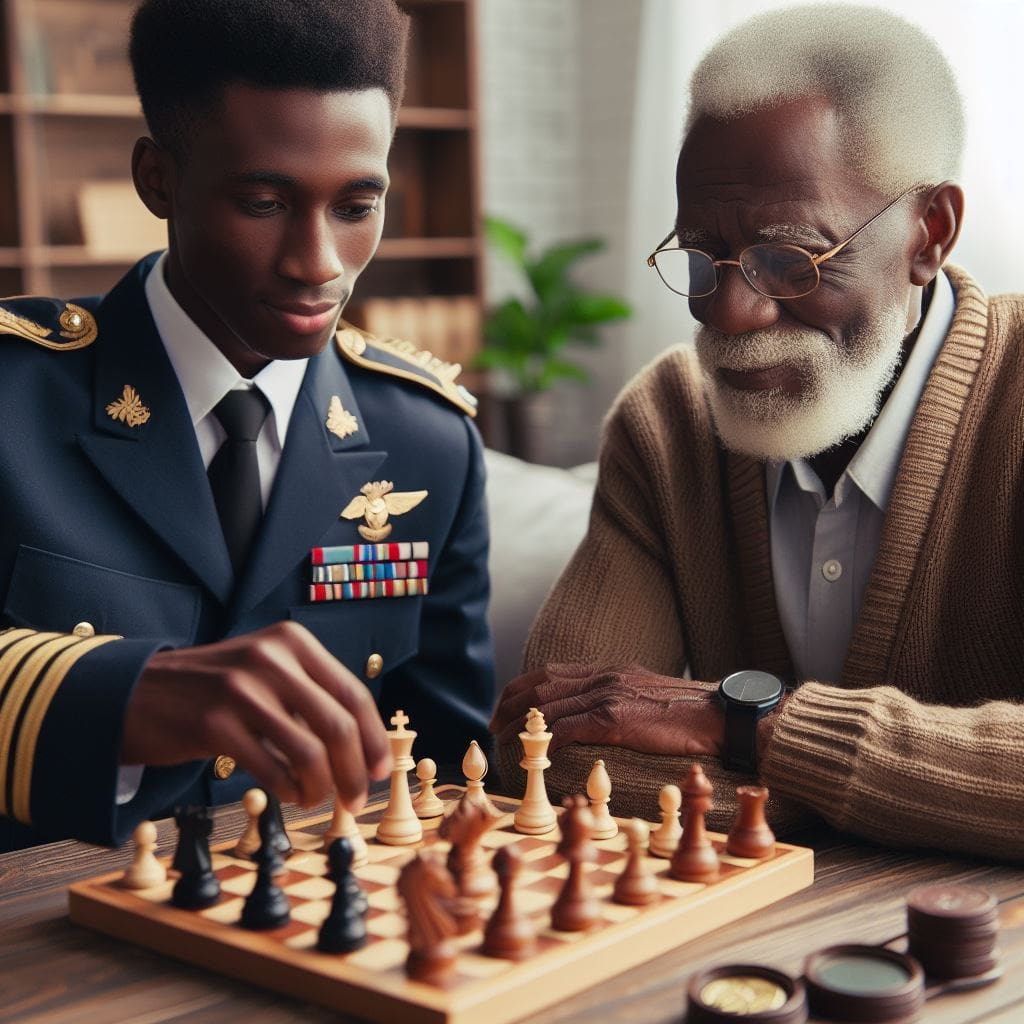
(255, 803)
(535, 816)
(665, 838)
(343, 823)
(427, 804)
(599, 789)
(145, 870)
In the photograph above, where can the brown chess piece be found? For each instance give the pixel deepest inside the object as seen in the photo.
(695, 859)
(576, 909)
(427, 888)
(463, 827)
(750, 835)
(637, 885)
(510, 933)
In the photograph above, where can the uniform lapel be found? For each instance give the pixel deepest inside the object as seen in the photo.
(320, 472)
(155, 465)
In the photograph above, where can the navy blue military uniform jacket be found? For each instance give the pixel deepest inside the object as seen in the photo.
(110, 521)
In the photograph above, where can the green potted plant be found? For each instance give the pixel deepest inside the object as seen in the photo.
(525, 341)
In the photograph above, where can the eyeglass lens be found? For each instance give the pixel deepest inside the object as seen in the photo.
(780, 271)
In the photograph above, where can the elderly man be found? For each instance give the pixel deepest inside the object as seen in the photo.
(804, 555)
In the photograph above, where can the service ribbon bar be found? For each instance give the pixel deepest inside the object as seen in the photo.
(403, 552)
(359, 591)
(357, 572)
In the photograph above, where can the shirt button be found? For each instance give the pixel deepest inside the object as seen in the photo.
(374, 666)
(223, 767)
(832, 570)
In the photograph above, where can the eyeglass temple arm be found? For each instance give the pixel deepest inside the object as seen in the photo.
(836, 249)
(660, 246)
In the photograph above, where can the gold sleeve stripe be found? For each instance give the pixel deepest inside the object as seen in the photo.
(33, 723)
(9, 637)
(16, 681)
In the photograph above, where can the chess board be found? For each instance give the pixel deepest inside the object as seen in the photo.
(371, 982)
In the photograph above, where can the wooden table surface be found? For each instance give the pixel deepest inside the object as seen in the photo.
(54, 971)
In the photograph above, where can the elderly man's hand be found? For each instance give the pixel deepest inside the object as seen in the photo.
(629, 707)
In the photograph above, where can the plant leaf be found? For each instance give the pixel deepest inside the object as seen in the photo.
(507, 239)
(549, 271)
(583, 308)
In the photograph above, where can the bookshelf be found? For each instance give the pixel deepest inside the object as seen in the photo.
(69, 116)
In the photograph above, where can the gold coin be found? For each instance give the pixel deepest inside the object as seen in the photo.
(743, 995)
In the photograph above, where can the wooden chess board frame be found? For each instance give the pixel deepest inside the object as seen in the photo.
(371, 982)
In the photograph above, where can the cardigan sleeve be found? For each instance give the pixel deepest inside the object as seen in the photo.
(880, 764)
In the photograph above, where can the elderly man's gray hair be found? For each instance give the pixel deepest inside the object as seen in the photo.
(900, 109)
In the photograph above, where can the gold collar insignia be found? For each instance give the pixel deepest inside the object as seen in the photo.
(377, 500)
(128, 408)
(339, 420)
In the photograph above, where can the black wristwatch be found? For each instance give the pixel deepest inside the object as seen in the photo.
(748, 696)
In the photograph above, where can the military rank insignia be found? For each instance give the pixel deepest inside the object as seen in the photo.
(376, 501)
(352, 572)
(128, 408)
(340, 421)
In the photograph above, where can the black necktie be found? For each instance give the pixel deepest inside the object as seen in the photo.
(234, 472)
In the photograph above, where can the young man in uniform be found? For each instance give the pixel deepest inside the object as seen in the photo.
(173, 455)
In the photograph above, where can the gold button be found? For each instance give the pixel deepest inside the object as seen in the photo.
(223, 767)
(84, 629)
(374, 666)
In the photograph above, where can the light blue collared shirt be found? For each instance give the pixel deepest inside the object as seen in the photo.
(822, 548)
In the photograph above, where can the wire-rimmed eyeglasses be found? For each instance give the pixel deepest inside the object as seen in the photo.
(777, 270)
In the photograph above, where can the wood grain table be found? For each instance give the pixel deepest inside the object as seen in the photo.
(55, 972)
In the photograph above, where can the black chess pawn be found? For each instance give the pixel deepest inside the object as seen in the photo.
(275, 822)
(267, 905)
(344, 929)
(198, 886)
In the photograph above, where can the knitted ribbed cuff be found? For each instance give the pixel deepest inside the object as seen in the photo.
(812, 753)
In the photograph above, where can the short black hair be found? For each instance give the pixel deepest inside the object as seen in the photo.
(185, 52)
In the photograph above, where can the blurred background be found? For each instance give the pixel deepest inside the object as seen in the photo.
(561, 118)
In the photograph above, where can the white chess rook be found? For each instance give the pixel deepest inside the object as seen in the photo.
(400, 826)
(535, 816)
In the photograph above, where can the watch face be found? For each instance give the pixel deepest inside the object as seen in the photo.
(752, 688)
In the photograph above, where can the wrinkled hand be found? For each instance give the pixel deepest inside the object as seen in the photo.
(277, 701)
(630, 708)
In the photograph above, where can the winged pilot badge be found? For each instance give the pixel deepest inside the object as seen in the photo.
(376, 501)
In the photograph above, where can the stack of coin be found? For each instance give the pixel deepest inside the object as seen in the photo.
(952, 930)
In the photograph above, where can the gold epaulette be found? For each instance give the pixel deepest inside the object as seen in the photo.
(403, 359)
(68, 321)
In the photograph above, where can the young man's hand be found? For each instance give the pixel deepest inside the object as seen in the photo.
(277, 701)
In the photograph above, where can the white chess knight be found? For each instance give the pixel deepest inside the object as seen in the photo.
(535, 815)
(400, 826)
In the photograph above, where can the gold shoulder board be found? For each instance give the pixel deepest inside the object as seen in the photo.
(63, 319)
(402, 359)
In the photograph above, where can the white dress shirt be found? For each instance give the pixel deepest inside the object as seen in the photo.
(206, 376)
(823, 548)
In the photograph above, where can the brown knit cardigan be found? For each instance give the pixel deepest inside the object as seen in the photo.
(921, 741)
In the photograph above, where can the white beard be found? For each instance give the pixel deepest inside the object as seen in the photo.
(841, 394)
